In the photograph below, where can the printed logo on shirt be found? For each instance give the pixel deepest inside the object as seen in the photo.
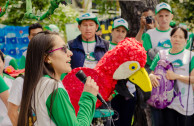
(183, 91)
(164, 43)
(90, 57)
(177, 63)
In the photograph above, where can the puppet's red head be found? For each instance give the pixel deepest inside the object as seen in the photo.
(125, 61)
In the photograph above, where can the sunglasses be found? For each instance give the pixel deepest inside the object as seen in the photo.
(64, 49)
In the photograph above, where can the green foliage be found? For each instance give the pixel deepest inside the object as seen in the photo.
(15, 14)
(63, 15)
(104, 6)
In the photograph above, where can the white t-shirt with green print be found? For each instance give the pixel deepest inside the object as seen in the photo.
(89, 47)
(156, 38)
(180, 62)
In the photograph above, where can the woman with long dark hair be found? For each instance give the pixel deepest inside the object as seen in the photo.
(45, 102)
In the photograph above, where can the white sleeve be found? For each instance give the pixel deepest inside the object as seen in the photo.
(15, 95)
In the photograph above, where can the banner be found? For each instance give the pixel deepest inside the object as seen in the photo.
(13, 40)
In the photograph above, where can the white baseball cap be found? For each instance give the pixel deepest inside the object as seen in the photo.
(162, 6)
(120, 22)
(52, 28)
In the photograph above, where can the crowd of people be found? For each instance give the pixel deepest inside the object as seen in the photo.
(39, 98)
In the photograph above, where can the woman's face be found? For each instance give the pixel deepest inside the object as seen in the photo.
(178, 40)
(2, 65)
(60, 57)
(118, 34)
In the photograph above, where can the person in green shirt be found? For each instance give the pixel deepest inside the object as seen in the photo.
(32, 31)
(147, 22)
(43, 92)
(5, 85)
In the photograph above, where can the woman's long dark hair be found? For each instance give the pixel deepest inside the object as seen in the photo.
(35, 68)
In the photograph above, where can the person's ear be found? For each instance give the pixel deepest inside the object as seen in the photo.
(78, 26)
(47, 60)
(29, 37)
(97, 27)
(172, 16)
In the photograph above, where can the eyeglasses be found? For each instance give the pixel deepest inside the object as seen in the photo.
(64, 48)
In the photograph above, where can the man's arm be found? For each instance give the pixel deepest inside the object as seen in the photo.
(141, 30)
(13, 113)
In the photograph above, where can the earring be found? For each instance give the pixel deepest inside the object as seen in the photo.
(49, 62)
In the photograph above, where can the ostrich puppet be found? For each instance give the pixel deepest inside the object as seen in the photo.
(125, 61)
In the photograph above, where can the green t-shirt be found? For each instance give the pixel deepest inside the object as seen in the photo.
(3, 85)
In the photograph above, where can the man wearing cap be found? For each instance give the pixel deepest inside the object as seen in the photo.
(147, 22)
(119, 31)
(159, 37)
(87, 48)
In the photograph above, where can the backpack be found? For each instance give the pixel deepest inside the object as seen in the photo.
(163, 95)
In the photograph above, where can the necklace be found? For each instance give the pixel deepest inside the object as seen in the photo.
(87, 53)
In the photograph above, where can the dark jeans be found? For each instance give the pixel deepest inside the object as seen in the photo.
(157, 117)
(169, 117)
(125, 108)
(173, 118)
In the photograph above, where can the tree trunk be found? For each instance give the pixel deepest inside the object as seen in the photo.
(131, 11)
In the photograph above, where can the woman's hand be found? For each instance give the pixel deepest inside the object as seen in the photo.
(170, 75)
(154, 80)
(91, 86)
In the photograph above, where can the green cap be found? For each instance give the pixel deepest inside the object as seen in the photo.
(120, 22)
(88, 16)
(162, 6)
(172, 23)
